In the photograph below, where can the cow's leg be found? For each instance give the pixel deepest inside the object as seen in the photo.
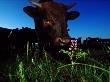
(72, 15)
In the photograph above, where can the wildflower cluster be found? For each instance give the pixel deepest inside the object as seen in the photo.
(73, 45)
(78, 53)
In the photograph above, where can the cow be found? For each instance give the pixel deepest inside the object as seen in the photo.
(51, 22)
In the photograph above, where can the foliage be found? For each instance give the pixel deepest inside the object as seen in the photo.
(81, 69)
(107, 49)
(78, 53)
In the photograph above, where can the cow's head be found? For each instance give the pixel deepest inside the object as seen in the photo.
(52, 18)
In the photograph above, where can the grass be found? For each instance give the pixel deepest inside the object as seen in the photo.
(82, 68)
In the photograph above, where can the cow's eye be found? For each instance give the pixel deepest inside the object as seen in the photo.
(47, 21)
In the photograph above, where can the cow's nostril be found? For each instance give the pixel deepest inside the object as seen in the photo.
(58, 40)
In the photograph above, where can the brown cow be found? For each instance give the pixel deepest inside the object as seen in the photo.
(51, 21)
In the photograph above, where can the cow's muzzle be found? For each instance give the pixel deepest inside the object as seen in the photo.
(62, 41)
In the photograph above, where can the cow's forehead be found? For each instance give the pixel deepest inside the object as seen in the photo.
(56, 7)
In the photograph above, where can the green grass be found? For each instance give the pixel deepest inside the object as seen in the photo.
(82, 68)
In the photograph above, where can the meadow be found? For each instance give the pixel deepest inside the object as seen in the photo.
(84, 66)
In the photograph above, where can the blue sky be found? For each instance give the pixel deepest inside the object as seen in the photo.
(94, 20)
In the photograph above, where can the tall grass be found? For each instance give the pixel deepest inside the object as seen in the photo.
(81, 69)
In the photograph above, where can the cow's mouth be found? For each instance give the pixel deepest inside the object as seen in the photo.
(61, 41)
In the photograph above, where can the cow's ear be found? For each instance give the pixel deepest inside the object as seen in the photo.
(72, 15)
(31, 11)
